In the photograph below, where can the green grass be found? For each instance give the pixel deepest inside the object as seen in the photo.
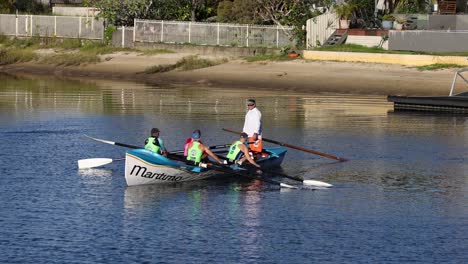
(70, 59)
(155, 51)
(269, 57)
(360, 48)
(12, 55)
(185, 64)
(438, 66)
(160, 68)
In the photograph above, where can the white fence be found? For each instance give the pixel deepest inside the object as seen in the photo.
(150, 31)
(52, 26)
(212, 34)
(320, 28)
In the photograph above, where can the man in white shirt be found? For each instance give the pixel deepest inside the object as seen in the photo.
(253, 126)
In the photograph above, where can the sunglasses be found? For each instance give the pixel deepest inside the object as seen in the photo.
(250, 104)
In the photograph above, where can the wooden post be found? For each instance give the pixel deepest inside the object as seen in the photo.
(55, 26)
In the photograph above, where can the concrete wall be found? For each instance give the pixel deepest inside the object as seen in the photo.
(401, 59)
(428, 41)
(448, 22)
(75, 11)
(369, 41)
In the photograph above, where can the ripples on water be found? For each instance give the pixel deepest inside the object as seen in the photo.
(401, 198)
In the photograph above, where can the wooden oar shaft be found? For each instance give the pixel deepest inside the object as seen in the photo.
(294, 147)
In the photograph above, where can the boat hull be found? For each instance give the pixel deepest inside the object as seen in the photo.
(146, 167)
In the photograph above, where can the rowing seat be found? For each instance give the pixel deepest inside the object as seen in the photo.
(447, 7)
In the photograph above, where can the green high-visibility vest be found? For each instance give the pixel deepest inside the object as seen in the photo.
(151, 146)
(234, 150)
(194, 153)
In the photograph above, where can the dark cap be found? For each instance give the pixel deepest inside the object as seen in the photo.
(244, 135)
(154, 130)
(251, 101)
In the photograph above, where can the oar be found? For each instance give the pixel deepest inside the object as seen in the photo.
(305, 182)
(137, 147)
(218, 168)
(226, 169)
(114, 143)
(210, 147)
(294, 147)
(96, 162)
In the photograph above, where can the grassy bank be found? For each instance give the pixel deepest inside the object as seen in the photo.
(60, 51)
(185, 64)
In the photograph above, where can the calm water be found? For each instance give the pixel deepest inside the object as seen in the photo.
(402, 198)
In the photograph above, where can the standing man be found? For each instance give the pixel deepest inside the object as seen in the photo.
(155, 143)
(253, 126)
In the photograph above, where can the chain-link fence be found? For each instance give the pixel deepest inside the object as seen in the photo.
(212, 34)
(52, 26)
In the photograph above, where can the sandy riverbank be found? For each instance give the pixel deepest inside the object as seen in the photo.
(297, 75)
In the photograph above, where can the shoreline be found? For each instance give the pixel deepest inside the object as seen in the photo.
(294, 75)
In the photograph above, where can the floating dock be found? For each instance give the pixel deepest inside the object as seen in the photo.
(446, 104)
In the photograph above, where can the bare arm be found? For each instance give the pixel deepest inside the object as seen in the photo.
(244, 149)
(211, 154)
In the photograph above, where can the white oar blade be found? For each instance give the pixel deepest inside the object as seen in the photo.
(91, 163)
(317, 183)
(287, 186)
(101, 140)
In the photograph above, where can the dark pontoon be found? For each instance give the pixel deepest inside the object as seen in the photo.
(452, 103)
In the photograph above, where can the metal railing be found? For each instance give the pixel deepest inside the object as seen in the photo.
(220, 34)
(458, 74)
(52, 26)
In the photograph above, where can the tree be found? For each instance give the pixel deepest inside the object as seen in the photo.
(6, 6)
(123, 12)
(238, 11)
(25, 6)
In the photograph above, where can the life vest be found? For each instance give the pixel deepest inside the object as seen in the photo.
(152, 146)
(194, 153)
(234, 151)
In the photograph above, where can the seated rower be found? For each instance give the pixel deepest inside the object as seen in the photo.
(155, 143)
(190, 140)
(195, 150)
(239, 152)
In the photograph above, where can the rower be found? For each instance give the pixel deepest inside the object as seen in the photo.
(155, 143)
(195, 150)
(238, 151)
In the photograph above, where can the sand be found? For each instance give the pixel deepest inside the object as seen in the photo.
(296, 75)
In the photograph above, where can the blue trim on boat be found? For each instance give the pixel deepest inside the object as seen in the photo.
(276, 155)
